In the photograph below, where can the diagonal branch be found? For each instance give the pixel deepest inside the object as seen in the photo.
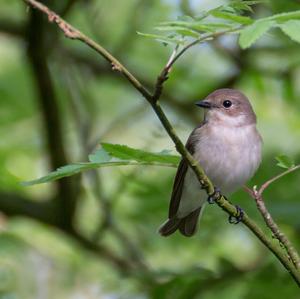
(206, 184)
(73, 33)
(278, 234)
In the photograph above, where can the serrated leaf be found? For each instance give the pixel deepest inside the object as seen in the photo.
(125, 152)
(196, 26)
(103, 158)
(180, 30)
(285, 16)
(61, 172)
(292, 29)
(240, 5)
(162, 38)
(99, 156)
(284, 161)
(235, 7)
(250, 34)
(232, 17)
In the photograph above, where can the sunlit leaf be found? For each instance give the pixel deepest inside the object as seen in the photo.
(251, 33)
(233, 17)
(284, 161)
(196, 26)
(292, 29)
(286, 16)
(239, 5)
(127, 153)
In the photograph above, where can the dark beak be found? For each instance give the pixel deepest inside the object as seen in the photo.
(204, 104)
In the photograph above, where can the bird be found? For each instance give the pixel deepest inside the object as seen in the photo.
(228, 147)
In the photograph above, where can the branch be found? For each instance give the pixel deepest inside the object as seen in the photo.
(14, 28)
(15, 205)
(221, 200)
(175, 56)
(206, 184)
(73, 33)
(279, 235)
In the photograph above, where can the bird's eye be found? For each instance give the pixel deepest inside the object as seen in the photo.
(227, 103)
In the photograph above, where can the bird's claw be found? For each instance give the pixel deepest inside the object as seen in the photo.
(212, 198)
(239, 216)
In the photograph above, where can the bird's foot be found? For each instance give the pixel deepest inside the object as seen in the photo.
(212, 198)
(239, 216)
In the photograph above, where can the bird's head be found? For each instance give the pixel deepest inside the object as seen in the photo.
(228, 107)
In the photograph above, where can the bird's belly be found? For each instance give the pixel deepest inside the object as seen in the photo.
(229, 156)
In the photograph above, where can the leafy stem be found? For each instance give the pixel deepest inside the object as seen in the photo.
(175, 56)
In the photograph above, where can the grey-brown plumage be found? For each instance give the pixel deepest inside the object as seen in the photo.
(228, 147)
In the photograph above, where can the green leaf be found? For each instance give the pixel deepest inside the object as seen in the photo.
(103, 158)
(251, 33)
(285, 162)
(240, 5)
(235, 7)
(292, 29)
(233, 17)
(180, 30)
(162, 38)
(196, 26)
(127, 153)
(283, 17)
(61, 172)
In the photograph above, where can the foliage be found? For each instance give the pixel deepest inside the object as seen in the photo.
(284, 161)
(227, 18)
(120, 208)
(110, 155)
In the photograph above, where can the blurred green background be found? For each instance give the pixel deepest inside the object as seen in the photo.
(95, 235)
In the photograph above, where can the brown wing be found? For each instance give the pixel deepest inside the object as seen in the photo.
(177, 188)
(180, 175)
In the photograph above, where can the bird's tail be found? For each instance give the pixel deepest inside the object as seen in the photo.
(187, 225)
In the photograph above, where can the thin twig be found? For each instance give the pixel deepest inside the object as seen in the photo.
(163, 76)
(205, 182)
(269, 182)
(278, 234)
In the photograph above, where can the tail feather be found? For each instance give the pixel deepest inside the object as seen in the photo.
(169, 227)
(187, 225)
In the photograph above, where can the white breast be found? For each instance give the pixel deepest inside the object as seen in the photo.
(229, 155)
